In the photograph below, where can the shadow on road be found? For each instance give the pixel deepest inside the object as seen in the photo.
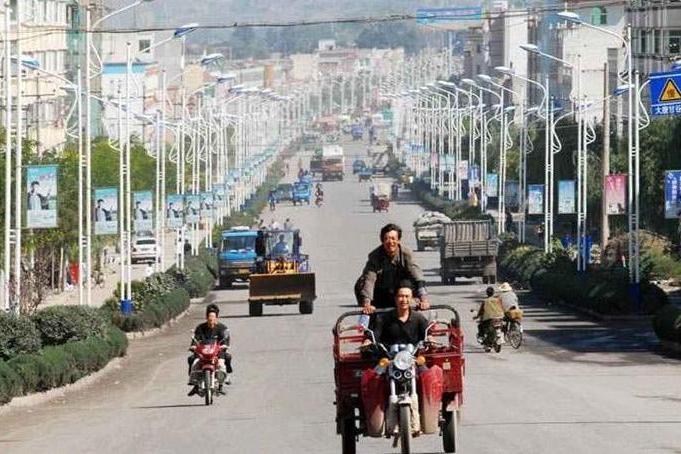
(292, 314)
(159, 407)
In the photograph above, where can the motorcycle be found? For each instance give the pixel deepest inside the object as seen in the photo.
(493, 336)
(205, 374)
(319, 200)
(513, 328)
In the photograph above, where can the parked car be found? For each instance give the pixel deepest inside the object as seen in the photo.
(143, 250)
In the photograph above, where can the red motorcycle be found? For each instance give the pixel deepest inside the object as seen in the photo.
(204, 375)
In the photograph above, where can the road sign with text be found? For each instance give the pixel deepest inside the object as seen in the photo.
(665, 93)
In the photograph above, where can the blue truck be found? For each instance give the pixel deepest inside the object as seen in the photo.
(237, 255)
(302, 192)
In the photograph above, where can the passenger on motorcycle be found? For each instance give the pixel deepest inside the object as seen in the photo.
(387, 266)
(490, 310)
(509, 300)
(210, 329)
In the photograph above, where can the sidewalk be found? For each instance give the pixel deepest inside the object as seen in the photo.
(111, 273)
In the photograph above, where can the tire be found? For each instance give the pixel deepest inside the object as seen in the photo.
(450, 431)
(405, 429)
(497, 348)
(444, 279)
(492, 279)
(208, 386)
(485, 280)
(306, 307)
(255, 309)
(514, 336)
(419, 246)
(348, 436)
(226, 283)
(452, 280)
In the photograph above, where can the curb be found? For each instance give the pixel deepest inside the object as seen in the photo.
(46, 396)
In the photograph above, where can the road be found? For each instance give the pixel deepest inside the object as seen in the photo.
(574, 386)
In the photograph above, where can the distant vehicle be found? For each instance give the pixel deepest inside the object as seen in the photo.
(143, 250)
(316, 162)
(302, 192)
(333, 162)
(311, 140)
(284, 192)
(357, 132)
(358, 166)
(468, 249)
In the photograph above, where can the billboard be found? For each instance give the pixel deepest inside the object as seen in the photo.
(192, 205)
(142, 211)
(512, 195)
(492, 188)
(566, 196)
(41, 203)
(462, 170)
(474, 175)
(616, 194)
(175, 210)
(672, 194)
(106, 211)
(535, 199)
(207, 205)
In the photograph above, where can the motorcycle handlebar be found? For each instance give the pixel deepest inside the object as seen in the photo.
(456, 321)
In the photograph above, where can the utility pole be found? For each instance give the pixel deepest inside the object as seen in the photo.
(605, 159)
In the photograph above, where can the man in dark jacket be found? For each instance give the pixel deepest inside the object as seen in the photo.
(387, 266)
(211, 329)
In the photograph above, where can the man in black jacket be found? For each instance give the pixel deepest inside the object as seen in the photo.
(387, 266)
(212, 329)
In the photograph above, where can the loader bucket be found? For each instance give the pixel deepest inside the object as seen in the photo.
(282, 288)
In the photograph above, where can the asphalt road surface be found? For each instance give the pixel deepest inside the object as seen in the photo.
(575, 386)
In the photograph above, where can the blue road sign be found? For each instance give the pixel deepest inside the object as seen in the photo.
(427, 16)
(665, 93)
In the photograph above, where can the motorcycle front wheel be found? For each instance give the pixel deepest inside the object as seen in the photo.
(514, 336)
(450, 431)
(208, 386)
(405, 429)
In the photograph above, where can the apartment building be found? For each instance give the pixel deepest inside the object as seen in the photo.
(655, 33)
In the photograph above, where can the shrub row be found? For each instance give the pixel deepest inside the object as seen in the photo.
(667, 323)
(58, 365)
(453, 209)
(553, 277)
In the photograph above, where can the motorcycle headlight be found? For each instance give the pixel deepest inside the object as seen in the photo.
(403, 360)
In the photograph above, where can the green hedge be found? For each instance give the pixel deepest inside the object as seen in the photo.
(156, 312)
(59, 365)
(61, 324)
(453, 209)
(18, 334)
(666, 323)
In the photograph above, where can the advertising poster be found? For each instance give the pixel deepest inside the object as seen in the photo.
(207, 205)
(106, 211)
(192, 205)
(474, 175)
(512, 196)
(462, 171)
(492, 187)
(142, 211)
(535, 199)
(566, 197)
(41, 203)
(219, 195)
(616, 193)
(175, 210)
(672, 194)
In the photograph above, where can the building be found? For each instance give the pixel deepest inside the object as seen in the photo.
(656, 34)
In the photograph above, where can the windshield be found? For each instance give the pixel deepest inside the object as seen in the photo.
(238, 243)
(147, 241)
(280, 243)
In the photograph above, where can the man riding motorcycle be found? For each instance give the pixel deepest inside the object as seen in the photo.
(387, 266)
(489, 311)
(319, 194)
(208, 330)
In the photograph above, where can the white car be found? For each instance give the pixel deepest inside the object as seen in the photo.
(143, 249)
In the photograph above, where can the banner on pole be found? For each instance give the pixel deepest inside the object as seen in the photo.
(219, 195)
(192, 205)
(492, 187)
(175, 210)
(672, 194)
(143, 211)
(474, 175)
(615, 194)
(41, 206)
(207, 205)
(512, 196)
(106, 211)
(535, 199)
(566, 197)
(462, 170)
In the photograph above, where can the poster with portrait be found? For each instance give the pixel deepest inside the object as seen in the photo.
(142, 211)
(462, 170)
(174, 211)
(192, 205)
(207, 205)
(566, 197)
(512, 195)
(41, 197)
(535, 199)
(492, 185)
(672, 194)
(616, 194)
(474, 175)
(106, 211)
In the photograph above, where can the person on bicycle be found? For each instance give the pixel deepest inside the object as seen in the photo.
(509, 300)
(206, 331)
